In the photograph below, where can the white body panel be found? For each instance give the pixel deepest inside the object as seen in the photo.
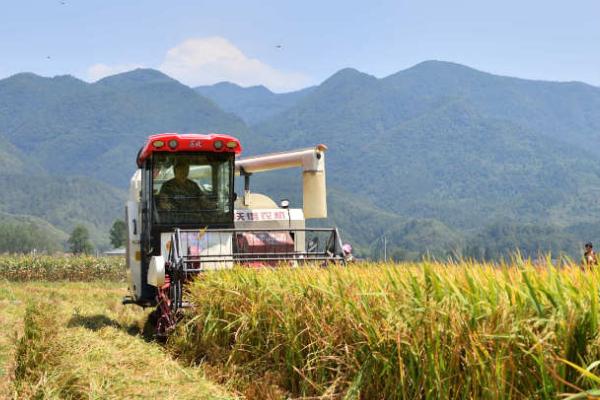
(203, 244)
(156, 271)
(312, 162)
(133, 249)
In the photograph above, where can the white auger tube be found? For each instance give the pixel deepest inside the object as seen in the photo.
(312, 162)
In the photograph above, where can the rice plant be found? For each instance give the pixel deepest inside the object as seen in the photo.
(61, 268)
(426, 330)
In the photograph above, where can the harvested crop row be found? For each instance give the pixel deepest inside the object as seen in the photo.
(61, 268)
(409, 331)
(79, 342)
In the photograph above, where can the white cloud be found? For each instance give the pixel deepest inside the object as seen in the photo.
(99, 71)
(204, 61)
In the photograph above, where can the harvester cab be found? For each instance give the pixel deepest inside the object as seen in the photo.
(184, 217)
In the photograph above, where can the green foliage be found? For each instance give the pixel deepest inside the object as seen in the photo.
(253, 104)
(69, 147)
(79, 241)
(24, 234)
(501, 239)
(18, 238)
(440, 143)
(444, 142)
(64, 202)
(118, 233)
(95, 130)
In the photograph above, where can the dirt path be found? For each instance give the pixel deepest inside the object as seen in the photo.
(97, 350)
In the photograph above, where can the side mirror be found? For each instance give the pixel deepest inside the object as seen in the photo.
(285, 203)
(234, 196)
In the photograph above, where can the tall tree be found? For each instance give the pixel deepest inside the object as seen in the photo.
(118, 233)
(79, 241)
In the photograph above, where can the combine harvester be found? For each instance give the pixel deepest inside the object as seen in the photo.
(184, 217)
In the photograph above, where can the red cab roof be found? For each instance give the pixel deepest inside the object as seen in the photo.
(189, 142)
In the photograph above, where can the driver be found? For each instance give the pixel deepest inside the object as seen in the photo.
(180, 193)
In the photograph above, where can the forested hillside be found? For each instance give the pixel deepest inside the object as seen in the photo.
(437, 159)
(71, 127)
(446, 142)
(69, 147)
(253, 104)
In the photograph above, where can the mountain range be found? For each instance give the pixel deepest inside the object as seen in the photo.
(438, 158)
(252, 104)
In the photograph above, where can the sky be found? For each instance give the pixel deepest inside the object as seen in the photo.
(286, 45)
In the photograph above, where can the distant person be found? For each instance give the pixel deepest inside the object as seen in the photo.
(347, 251)
(181, 193)
(589, 256)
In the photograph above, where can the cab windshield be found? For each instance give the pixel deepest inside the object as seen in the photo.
(192, 189)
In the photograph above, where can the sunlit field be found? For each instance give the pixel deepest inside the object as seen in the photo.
(374, 331)
(75, 340)
(367, 331)
(61, 268)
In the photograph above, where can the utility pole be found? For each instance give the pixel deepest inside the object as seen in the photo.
(384, 248)
(375, 253)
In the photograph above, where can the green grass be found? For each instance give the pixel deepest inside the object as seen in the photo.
(426, 330)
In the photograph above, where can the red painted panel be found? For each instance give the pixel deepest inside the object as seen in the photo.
(189, 142)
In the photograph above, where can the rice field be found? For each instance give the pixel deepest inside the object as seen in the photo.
(426, 330)
(412, 331)
(52, 268)
(75, 340)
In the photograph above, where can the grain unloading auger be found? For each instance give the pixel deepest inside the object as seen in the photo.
(184, 217)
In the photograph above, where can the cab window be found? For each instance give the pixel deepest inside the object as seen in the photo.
(192, 189)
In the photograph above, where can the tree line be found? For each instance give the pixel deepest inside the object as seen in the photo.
(22, 237)
(414, 241)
